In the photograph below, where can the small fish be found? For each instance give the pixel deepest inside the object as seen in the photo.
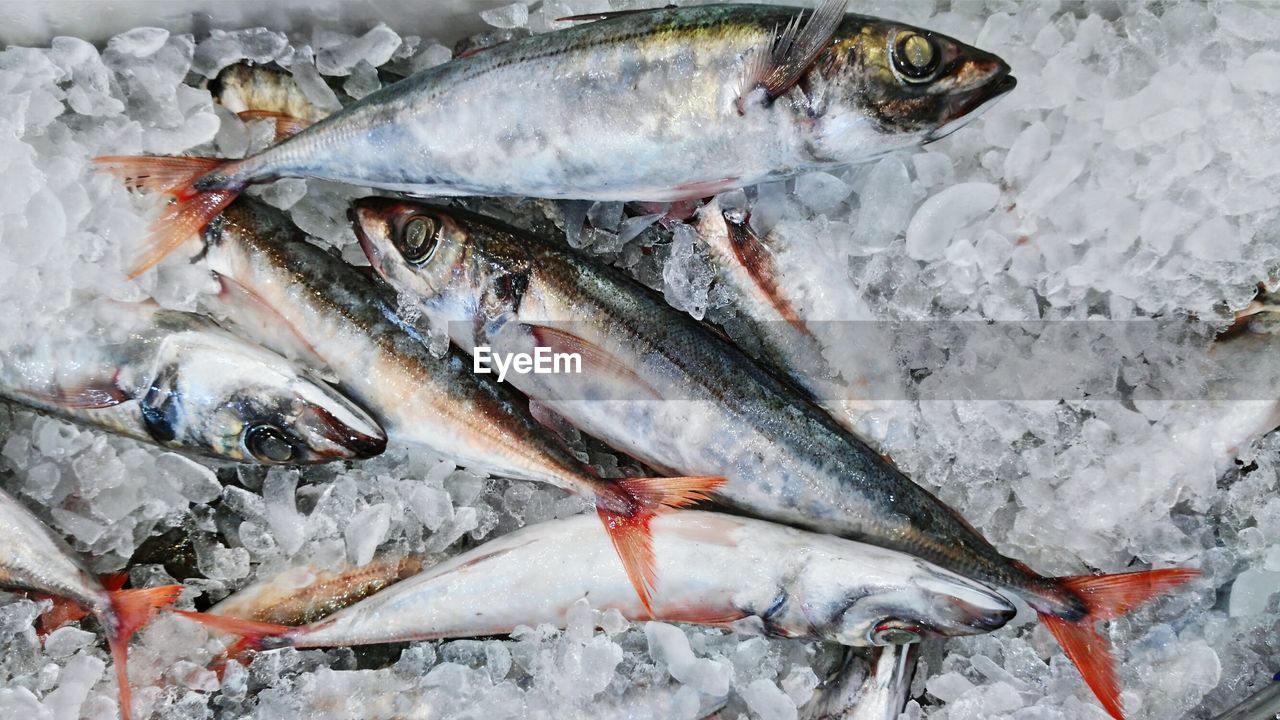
(866, 686)
(668, 392)
(180, 381)
(34, 559)
(317, 301)
(715, 569)
(265, 92)
(660, 105)
(307, 593)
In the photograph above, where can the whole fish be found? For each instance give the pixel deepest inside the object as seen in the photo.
(660, 387)
(353, 326)
(180, 381)
(656, 105)
(873, 687)
(33, 559)
(714, 569)
(265, 92)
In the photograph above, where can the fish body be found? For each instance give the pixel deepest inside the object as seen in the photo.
(354, 326)
(34, 559)
(307, 593)
(714, 569)
(661, 105)
(179, 380)
(657, 385)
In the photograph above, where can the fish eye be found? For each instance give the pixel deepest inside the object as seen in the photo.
(895, 632)
(418, 238)
(915, 56)
(268, 444)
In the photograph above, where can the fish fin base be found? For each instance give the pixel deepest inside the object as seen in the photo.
(251, 633)
(777, 66)
(191, 208)
(1106, 597)
(131, 610)
(286, 125)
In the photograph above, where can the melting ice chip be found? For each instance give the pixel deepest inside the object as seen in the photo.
(1252, 591)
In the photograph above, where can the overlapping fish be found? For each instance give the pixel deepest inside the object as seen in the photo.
(785, 460)
(335, 313)
(656, 105)
(34, 559)
(715, 569)
(866, 688)
(178, 380)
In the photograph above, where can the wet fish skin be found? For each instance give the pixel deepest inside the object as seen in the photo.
(180, 381)
(640, 107)
(867, 686)
(715, 410)
(671, 104)
(714, 569)
(439, 402)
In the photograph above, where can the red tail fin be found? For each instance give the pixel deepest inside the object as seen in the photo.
(131, 610)
(630, 531)
(191, 209)
(250, 632)
(1107, 597)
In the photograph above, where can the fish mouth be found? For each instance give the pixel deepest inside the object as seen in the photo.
(968, 105)
(333, 438)
(968, 608)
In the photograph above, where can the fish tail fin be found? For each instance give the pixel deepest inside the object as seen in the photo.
(201, 188)
(1106, 597)
(251, 635)
(131, 609)
(630, 532)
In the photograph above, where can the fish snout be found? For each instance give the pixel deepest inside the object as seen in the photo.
(964, 607)
(342, 433)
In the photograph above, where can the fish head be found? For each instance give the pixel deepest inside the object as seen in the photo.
(883, 86)
(454, 262)
(214, 394)
(929, 602)
(414, 246)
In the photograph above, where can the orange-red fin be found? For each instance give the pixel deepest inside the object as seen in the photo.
(595, 359)
(659, 493)
(286, 125)
(789, 53)
(63, 611)
(114, 581)
(190, 210)
(702, 615)
(1106, 597)
(251, 632)
(630, 531)
(633, 541)
(131, 609)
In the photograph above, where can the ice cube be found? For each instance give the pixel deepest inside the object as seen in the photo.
(223, 48)
(768, 702)
(374, 48)
(515, 15)
(139, 42)
(1252, 591)
(936, 222)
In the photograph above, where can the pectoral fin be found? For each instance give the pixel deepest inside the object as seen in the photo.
(777, 65)
(596, 361)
